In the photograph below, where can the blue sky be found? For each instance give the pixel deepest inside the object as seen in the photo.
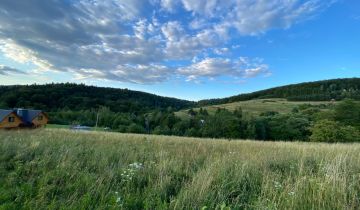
(189, 49)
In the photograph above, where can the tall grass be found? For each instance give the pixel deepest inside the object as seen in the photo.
(60, 169)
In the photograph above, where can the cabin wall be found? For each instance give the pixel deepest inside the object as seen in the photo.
(38, 123)
(6, 124)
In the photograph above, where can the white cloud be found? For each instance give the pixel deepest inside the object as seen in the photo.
(6, 70)
(22, 55)
(135, 41)
(215, 67)
(205, 7)
(255, 17)
(143, 73)
(186, 47)
(198, 24)
(169, 5)
(221, 51)
(173, 31)
(140, 74)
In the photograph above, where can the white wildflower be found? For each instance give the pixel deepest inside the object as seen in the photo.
(118, 200)
(129, 173)
(277, 185)
(136, 165)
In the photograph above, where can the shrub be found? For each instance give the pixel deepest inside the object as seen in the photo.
(348, 112)
(134, 128)
(331, 131)
(162, 130)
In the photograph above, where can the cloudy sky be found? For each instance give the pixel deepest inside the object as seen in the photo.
(191, 49)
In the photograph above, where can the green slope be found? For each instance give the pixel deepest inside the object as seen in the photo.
(258, 106)
(326, 90)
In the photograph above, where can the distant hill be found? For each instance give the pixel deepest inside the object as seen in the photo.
(310, 91)
(53, 97)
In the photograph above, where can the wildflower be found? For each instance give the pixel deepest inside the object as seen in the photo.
(136, 165)
(277, 185)
(129, 173)
(118, 200)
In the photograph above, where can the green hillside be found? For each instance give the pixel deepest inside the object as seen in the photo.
(76, 97)
(326, 90)
(258, 106)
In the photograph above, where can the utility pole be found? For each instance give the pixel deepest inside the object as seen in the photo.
(97, 120)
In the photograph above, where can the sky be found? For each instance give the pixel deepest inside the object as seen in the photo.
(188, 49)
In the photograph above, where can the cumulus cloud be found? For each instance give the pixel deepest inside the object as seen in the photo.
(140, 74)
(135, 41)
(221, 51)
(6, 70)
(252, 17)
(214, 67)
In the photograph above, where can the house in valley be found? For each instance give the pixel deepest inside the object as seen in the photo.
(22, 118)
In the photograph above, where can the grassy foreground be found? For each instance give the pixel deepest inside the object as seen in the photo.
(61, 169)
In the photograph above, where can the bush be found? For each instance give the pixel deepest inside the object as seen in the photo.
(162, 130)
(134, 128)
(331, 131)
(348, 112)
(288, 127)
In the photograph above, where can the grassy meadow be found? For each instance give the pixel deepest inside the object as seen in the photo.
(62, 169)
(258, 106)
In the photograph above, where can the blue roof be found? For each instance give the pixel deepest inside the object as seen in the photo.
(4, 113)
(26, 115)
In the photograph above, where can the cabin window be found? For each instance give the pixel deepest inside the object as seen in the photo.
(11, 119)
(40, 118)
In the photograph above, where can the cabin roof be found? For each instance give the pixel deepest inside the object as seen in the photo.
(4, 113)
(29, 115)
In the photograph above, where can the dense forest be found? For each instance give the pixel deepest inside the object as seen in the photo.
(326, 90)
(77, 97)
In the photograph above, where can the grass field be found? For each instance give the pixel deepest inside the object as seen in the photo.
(57, 126)
(62, 169)
(258, 106)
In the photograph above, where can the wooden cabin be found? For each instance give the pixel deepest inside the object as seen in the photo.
(22, 118)
(9, 119)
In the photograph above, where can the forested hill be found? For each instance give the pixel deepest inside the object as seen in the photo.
(53, 97)
(310, 91)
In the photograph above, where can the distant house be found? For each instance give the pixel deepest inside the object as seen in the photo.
(22, 118)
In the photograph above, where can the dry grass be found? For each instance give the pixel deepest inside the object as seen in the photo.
(61, 169)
